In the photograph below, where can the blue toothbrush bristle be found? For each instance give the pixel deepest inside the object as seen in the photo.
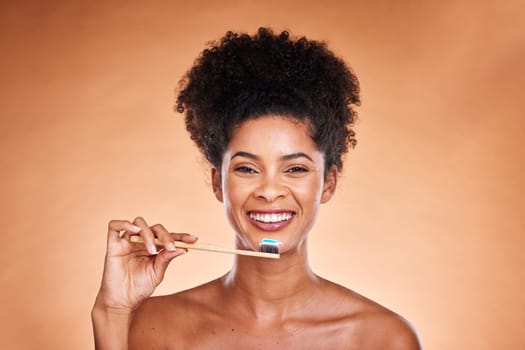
(268, 245)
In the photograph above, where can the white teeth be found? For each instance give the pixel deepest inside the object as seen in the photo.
(271, 218)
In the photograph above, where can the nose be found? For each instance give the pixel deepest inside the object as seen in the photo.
(270, 189)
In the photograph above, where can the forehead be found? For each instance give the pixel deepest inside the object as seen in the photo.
(272, 132)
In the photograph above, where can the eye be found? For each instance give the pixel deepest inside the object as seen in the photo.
(297, 169)
(245, 169)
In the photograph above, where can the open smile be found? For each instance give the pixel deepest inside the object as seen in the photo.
(270, 220)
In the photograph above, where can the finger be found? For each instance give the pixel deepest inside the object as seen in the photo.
(163, 236)
(163, 259)
(184, 237)
(138, 248)
(147, 235)
(115, 227)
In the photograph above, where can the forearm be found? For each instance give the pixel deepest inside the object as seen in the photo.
(110, 328)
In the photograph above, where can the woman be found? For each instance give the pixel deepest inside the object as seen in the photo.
(272, 115)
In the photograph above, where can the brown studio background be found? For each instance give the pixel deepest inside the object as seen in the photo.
(429, 216)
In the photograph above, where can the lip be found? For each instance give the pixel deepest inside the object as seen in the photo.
(273, 226)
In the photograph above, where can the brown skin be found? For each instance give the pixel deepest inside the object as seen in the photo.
(260, 303)
(218, 314)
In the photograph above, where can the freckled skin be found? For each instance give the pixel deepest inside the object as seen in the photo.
(263, 303)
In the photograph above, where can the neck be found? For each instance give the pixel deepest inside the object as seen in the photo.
(270, 289)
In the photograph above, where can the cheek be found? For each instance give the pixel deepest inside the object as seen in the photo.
(235, 197)
(309, 192)
(235, 194)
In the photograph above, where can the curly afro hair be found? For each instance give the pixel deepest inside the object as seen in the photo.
(241, 77)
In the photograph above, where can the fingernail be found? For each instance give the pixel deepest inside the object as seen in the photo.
(171, 246)
(153, 250)
(135, 228)
(194, 237)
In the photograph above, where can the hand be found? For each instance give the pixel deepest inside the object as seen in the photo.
(132, 271)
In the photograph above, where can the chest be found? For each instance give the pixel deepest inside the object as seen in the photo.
(232, 337)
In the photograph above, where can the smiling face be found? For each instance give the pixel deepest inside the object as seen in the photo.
(272, 182)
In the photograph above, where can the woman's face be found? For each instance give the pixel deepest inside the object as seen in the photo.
(272, 182)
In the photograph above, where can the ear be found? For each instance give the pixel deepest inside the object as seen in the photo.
(216, 183)
(330, 184)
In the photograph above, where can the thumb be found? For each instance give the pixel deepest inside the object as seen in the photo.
(163, 259)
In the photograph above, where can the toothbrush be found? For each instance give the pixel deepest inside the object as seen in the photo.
(268, 248)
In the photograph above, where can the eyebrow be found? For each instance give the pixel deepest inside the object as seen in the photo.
(286, 157)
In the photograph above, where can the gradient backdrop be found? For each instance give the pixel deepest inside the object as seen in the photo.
(429, 216)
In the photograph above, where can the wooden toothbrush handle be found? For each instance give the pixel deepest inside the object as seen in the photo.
(209, 248)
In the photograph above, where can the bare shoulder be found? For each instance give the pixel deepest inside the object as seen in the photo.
(370, 325)
(390, 331)
(163, 321)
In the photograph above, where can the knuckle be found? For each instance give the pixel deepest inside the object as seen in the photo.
(157, 227)
(159, 230)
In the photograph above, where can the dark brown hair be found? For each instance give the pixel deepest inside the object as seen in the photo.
(242, 77)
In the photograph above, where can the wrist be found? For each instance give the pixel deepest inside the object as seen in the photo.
(101, 307)
(101, 310)
(110, 327)
(109, 314)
